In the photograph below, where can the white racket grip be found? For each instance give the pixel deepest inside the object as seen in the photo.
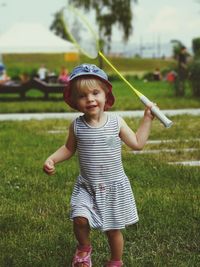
(156, 111)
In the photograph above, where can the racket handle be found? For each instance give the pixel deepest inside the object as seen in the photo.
(157, 112)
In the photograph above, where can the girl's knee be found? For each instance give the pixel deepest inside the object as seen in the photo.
(112, 233)
(80, 221)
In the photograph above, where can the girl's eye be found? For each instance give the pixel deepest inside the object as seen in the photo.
(95, 92)
(81, 96)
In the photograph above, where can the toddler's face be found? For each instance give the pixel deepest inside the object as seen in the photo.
(90, 99)
(89, 94)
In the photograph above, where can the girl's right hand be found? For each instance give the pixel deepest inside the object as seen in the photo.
(148, 113)
(49, 167)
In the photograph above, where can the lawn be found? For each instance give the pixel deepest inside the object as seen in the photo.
(34, 208)
(31, 62)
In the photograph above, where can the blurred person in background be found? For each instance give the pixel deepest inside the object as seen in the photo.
(157, 76)
(64, 75)
(42, 73)
(3, 75)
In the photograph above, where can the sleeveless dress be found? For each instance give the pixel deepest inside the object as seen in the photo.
(102, 192)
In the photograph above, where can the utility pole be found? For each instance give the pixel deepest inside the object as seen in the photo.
(158, 46)
(141, 47)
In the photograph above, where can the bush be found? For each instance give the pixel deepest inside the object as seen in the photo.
(116, 77)
(196, 47)
(16, 72)
(194, 71)
(148, 76)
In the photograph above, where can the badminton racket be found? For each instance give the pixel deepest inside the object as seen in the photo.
(85, 38)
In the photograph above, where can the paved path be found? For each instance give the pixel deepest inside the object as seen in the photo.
(72, 115)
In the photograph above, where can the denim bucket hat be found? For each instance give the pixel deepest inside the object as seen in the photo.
(92, 71)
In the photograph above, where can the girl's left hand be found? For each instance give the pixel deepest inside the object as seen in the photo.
(49, 167)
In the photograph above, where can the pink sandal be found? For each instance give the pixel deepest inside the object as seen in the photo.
(86, 259)
(114, 264)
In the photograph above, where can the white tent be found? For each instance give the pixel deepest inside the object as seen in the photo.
(33, 38)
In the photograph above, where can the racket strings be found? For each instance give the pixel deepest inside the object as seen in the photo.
(81, 32)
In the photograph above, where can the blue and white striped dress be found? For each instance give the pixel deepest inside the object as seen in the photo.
(102, 192)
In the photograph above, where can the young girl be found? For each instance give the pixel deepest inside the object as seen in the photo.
(102, 197)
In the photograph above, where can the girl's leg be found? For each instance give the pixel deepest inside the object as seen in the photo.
(116, 243)
(82, 232)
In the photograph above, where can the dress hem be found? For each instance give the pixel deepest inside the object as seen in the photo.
(101, 228)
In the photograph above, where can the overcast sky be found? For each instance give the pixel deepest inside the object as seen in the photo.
(153, 19)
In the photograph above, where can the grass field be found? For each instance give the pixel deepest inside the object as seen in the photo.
(34, 208)
(31, 62)
(35, 230)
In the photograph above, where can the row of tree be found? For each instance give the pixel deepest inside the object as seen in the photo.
(195, 67)
(107, 14)
(187, 70)
(119, 12)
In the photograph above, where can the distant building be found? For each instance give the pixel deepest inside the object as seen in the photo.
(144, 50)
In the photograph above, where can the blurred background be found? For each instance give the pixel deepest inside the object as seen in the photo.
(157, 40)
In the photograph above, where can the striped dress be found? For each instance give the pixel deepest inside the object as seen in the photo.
(102, 192)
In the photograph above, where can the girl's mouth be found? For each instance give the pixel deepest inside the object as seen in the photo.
(91, 106)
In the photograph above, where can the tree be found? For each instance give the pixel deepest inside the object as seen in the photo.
(196, 47)
(195, 68)
(181, 54)
(107, 14)
(58, 27)
(176, 48)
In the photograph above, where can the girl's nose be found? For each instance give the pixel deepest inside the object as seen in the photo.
(90, 97)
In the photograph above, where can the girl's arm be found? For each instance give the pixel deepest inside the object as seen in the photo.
(137, 140)
(63, 153)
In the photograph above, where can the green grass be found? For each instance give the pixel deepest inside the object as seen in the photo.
(34, 208)
(159, 92)
(29, 62)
